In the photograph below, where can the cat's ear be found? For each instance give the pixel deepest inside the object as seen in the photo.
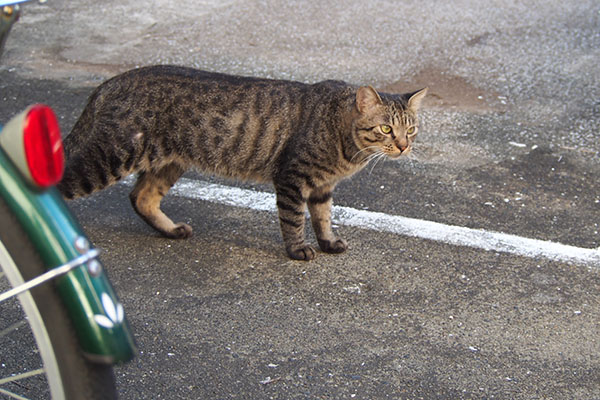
(367, 99)
(415, 99)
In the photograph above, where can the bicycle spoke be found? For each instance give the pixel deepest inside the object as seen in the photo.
(12, 395)
(22, 376)
(12, 328)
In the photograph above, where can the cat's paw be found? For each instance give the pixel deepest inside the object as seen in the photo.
(181, 231)
(335, 246)
(302, 252)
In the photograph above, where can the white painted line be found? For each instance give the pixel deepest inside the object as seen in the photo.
(456, 235)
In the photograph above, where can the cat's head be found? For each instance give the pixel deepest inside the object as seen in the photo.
(386, 125)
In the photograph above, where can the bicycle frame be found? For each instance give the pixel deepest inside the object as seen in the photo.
(98, 318)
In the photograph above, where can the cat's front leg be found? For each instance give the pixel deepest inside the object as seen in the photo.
(319, 205)
(291, 205)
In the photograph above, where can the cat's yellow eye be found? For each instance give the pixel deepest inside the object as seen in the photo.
(385, 128)
(411, 131)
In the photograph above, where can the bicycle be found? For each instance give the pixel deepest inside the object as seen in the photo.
(51, 279)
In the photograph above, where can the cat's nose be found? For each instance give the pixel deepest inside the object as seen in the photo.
(402, 145)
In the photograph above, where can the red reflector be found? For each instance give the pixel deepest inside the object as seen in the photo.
(43, 146)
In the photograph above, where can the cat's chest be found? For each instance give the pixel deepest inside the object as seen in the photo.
(337, 173)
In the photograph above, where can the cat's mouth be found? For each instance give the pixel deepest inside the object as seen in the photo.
(396, 155)
(396, 152)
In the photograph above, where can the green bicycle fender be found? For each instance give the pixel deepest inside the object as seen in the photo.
(98, 318)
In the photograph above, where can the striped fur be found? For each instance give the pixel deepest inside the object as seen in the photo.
(160, 121)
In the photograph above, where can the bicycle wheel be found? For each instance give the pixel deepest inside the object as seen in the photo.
(63, 371)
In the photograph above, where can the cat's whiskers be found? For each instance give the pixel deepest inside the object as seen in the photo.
(415, 153)
(367, 158)
(371, 157)
(377, 158)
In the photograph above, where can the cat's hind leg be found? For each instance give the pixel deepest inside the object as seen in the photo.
(150, 188)
(319, 205)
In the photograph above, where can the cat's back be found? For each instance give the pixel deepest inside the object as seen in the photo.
(168, 74)
(170, 80)
(190, 94)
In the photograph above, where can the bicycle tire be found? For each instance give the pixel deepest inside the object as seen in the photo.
(70, 374)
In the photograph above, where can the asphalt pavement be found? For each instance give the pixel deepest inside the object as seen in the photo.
(510, 142)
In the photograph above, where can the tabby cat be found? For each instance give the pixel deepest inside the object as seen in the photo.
(159, 121)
